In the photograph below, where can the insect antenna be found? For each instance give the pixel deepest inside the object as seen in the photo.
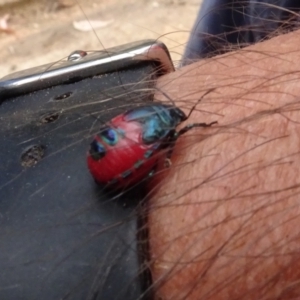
(194, 106)
(201, 98)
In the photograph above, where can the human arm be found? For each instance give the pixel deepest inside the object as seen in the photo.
(224, 224)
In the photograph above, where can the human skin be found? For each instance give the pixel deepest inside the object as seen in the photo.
(224, 218)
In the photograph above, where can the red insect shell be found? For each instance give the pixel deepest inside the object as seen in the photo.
(126, 162)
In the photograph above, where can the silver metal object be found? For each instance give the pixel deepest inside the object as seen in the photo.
(82, 66)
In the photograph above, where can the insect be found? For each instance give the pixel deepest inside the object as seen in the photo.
(128, 148)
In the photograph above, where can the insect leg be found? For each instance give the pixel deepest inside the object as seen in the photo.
(171, 143)
(191, 126)
(175, 135)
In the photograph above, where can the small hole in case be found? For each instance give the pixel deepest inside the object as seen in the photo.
(63, 96)
(49, 117)
(32, 155)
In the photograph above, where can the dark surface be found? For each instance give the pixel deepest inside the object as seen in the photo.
(224, 25)
(61, 237)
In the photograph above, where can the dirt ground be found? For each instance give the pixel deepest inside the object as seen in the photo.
(40, 31)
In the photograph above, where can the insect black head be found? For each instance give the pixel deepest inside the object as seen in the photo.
(178, 114)
(97, 150)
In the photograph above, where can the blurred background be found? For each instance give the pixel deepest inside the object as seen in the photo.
(36, 32)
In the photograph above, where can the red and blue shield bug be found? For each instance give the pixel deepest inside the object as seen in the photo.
(127, 149)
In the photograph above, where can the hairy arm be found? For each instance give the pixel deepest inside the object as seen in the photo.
(225, 221)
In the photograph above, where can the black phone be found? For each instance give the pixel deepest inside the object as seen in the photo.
(62, 236)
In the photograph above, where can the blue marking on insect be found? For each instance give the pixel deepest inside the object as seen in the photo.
(97, 150)
(109, 136)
